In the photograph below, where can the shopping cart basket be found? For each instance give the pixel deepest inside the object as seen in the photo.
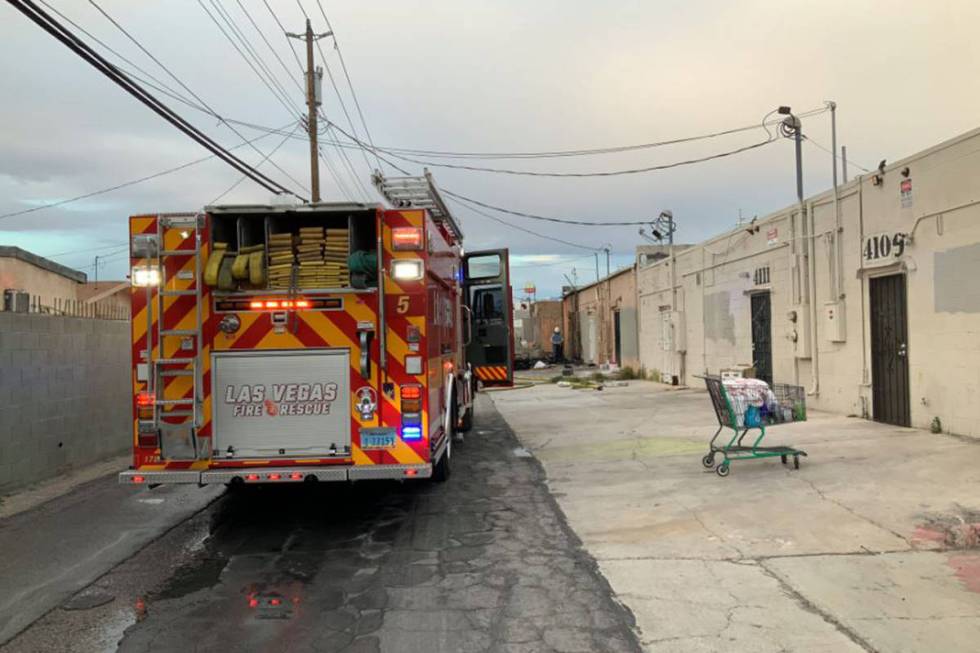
(748, 404)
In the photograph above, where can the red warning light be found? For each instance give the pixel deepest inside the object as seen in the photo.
(275, 477)
(253, 602)
(146, 399)
(411, 472)
(251, 477)
(139, 479)
(275, 601)
(296, 476)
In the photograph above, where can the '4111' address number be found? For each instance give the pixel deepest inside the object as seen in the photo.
(882, 246)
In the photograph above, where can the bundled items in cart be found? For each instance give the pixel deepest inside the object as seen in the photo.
(754, 403)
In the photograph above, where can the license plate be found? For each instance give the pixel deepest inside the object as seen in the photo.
(377, 440)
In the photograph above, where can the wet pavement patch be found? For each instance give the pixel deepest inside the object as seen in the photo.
(482, 562)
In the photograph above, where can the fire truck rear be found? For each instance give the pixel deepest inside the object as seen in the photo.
(327, 342)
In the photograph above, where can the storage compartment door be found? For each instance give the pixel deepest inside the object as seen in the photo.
(282, 404)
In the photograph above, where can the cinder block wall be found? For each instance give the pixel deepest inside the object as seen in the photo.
(64, 394)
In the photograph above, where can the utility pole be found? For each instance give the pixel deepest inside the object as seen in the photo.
(96, 269)
(596, 254)
(843, 161)
(313, 78)
(607, 261)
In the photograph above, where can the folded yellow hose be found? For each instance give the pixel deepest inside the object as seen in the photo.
(256, 268)
(225, 279)
(213, 265)
(239, 269)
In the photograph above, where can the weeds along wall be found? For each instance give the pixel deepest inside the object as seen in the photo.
(916, 221)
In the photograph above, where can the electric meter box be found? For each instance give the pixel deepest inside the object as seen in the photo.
(833, 322)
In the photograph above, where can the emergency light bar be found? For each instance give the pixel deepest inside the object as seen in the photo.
(301, 304)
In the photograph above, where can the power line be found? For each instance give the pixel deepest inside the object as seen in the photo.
(588, 152)
(284, 102)
(832, 153)
(610, 173)
(264, 159)
(343, 106)
(350, 84)
(456, 200)
(247, 44)
(583, 223)
(282, 28)
(271, 49)
(115, 246)
(124, 184)
(108, 69)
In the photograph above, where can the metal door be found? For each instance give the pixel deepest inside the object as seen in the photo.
(490, 347)
(889, 350)
(762, 336)
(617, 339)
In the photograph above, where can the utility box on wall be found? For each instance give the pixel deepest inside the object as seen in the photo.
(801, 331)
(833, 322)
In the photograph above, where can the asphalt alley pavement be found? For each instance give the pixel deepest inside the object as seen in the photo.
(50, 552)
(484, 562)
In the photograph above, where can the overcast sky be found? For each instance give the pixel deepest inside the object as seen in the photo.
(488, 75)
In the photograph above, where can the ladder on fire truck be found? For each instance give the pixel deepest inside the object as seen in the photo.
(188, 409)
(420, 193)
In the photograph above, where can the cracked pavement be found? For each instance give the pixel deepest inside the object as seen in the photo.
(484, 562)
(870, 546)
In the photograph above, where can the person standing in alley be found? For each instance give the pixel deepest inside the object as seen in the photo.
(557, 345)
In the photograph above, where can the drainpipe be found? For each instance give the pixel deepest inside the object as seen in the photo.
(865, 376)
(838, 229)
(814, 341)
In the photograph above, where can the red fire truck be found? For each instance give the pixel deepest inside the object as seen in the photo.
(305, 343)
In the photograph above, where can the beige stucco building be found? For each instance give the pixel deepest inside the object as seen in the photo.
(876, 312)
(44, 280)
(600, 321)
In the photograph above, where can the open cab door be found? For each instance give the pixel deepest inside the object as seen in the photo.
(488, 298)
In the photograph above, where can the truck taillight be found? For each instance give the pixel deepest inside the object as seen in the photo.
(411, 399)
(146, 399)
(406, 238)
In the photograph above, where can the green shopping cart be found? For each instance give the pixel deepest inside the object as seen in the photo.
(744, 405)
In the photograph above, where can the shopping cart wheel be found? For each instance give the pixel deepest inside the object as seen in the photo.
(708, 461)
(783, 458)
(796, 462)
(722, 470)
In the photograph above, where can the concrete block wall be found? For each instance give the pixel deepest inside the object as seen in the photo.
(64, 394)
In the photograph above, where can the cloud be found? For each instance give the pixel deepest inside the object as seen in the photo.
(495, 75)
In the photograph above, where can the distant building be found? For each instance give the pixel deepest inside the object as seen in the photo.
(112, 294)
(44, 280)
(600, 321)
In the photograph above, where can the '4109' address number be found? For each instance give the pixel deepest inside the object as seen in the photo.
(884, 246)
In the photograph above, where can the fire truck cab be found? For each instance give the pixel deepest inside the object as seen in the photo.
(305, 343)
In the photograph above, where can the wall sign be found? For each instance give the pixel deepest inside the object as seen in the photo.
(772, 237)
(884, 246)
(905, 189)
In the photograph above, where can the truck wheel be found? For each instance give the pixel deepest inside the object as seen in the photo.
(442, 470)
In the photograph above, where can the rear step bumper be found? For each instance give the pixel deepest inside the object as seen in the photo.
(276, 474)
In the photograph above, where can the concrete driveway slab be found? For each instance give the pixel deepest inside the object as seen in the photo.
(709, 563)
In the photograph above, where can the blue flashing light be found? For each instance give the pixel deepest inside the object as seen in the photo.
(410, 433)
